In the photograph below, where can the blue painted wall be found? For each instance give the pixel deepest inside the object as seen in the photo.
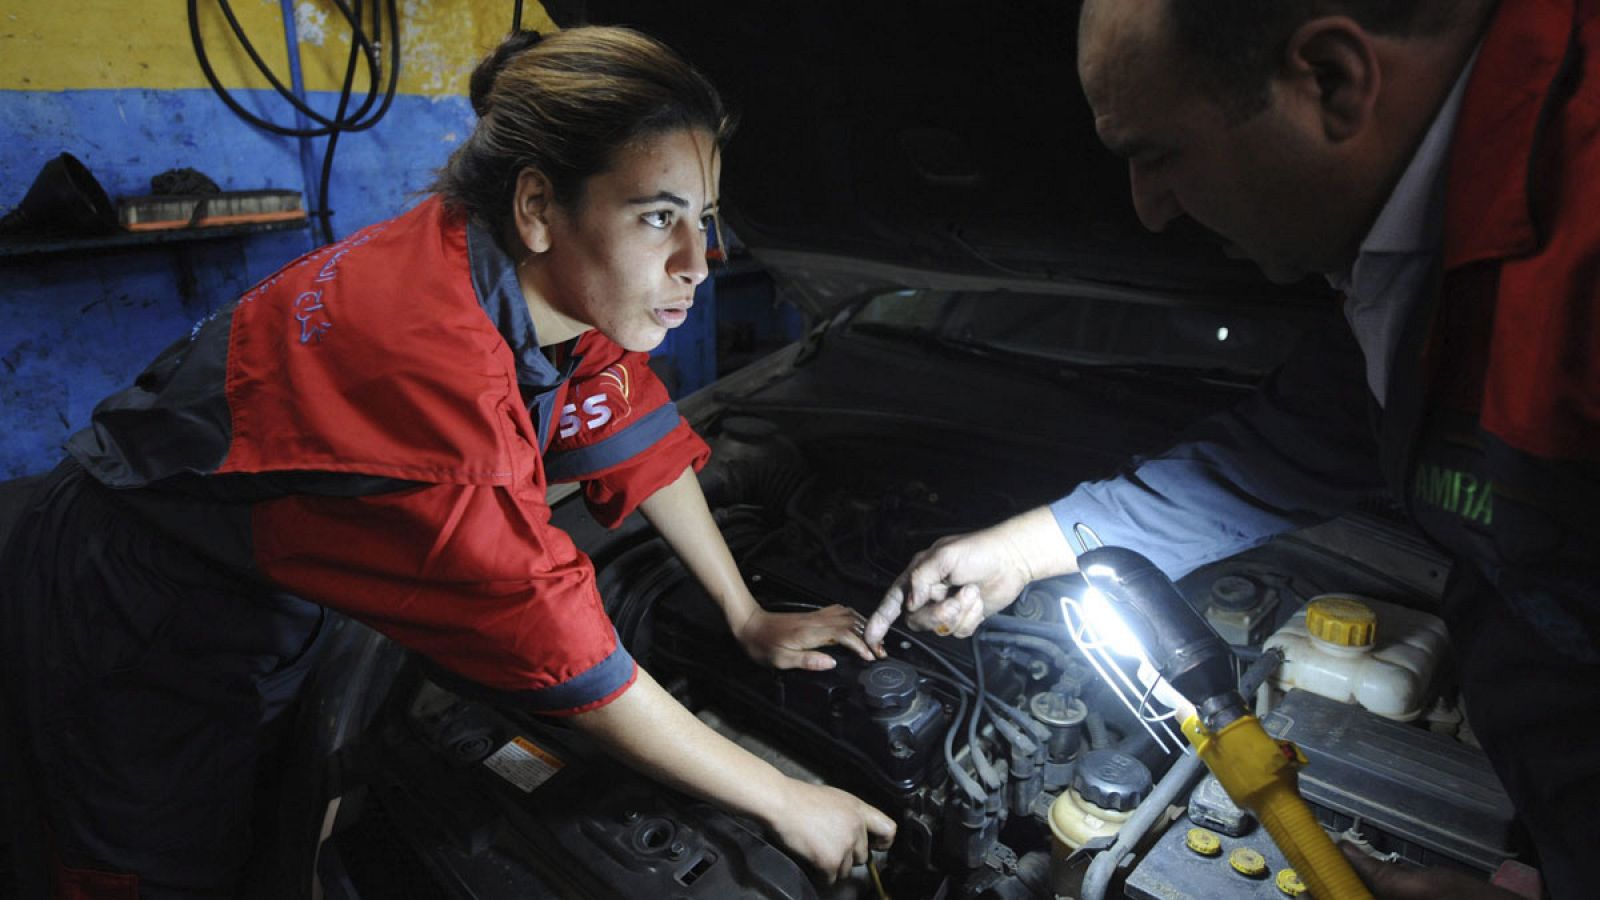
(118, 86)
(76, 327)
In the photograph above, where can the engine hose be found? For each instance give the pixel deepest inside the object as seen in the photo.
(1054, 632)
(1058, 655)
(1033, 726)
(1179, 779)
(1260, 670)
(1141, 745)
(1014, 736)
(1099, 736)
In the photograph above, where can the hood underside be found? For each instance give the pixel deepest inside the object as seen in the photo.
(928, 136)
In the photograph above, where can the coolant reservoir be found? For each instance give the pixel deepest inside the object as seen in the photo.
(1107, 786)
(1358, 650)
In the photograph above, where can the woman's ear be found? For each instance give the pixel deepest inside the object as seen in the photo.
(531, 201)
(1340, 66)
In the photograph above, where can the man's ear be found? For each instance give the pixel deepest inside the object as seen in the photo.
(531, 202)
(1333, 59)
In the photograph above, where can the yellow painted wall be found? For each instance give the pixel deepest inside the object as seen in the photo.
(54, 45)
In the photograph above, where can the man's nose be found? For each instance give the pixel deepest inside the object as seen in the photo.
(1153, 201)
(688, 260)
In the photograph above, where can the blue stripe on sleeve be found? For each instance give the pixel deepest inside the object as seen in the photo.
(569, 465)
(600, 681)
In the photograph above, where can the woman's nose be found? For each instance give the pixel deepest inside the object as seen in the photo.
(688, 261)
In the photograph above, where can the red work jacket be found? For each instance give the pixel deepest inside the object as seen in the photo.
(1492, 433)
(374, 428)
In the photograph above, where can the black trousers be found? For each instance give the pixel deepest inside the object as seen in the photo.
(1535, 713)
(147, 687)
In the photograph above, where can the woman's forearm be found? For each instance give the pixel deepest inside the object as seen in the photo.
(680, 514)
(652, 732)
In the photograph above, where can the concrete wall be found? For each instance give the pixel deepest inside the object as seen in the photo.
(117, 85)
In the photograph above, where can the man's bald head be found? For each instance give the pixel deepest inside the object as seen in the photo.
(1232, 47)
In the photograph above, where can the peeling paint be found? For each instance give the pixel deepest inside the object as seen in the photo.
(46, 50)
(310, 23)
(425, 55)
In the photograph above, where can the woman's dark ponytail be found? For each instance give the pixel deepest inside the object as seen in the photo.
(489, 68)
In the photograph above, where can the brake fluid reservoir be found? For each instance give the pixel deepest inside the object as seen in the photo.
(1357, 650)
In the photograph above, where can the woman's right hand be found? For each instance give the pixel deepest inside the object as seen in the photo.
(830, 829)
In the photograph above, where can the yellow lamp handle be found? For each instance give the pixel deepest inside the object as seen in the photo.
(1259, 774)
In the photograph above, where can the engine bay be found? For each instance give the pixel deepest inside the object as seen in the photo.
(1008, 765)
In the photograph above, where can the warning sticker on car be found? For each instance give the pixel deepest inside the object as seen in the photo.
(523, 763)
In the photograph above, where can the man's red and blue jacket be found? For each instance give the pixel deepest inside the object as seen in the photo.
(1489, 436)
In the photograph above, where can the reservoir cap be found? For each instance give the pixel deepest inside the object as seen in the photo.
(1340, 620)
(1112, 780)
(888, 684)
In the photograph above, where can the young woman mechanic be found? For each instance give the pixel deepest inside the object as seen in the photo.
(373, 428)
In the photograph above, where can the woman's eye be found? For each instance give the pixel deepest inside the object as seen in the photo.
(661, 218)
(707, 223)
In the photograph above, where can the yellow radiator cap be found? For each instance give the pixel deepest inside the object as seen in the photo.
(1247, 862)
(1344, 621)
(1289, 882)
(1203, 842)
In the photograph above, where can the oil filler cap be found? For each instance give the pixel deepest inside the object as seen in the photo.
(1112, 780)
(888, 685)
(1341, 620)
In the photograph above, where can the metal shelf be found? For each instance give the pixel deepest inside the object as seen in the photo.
(13, 246)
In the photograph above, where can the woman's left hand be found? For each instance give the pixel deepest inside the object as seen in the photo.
(787, 640)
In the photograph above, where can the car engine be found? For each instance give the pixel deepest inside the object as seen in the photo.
(1010, 767)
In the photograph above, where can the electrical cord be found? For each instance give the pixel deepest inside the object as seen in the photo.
(364, 117)
(956, 676)
(991, 777)
(359, 42)
(959, 775)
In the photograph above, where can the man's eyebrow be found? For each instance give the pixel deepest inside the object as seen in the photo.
(1122, 142)
(1128, 148)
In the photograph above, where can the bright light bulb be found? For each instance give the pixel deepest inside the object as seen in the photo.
(1108, 627)
(1222, 333)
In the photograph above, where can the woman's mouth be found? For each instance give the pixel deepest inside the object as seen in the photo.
(670, 316)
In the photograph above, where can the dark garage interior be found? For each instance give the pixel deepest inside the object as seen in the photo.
(898, 494)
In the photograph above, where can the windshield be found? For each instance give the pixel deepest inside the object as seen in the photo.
(1237, 340)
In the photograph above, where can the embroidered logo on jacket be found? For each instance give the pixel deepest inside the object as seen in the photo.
(599, 409)
(308, 311)
(1454, 491)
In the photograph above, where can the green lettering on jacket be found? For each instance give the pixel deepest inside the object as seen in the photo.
(1454, 491)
